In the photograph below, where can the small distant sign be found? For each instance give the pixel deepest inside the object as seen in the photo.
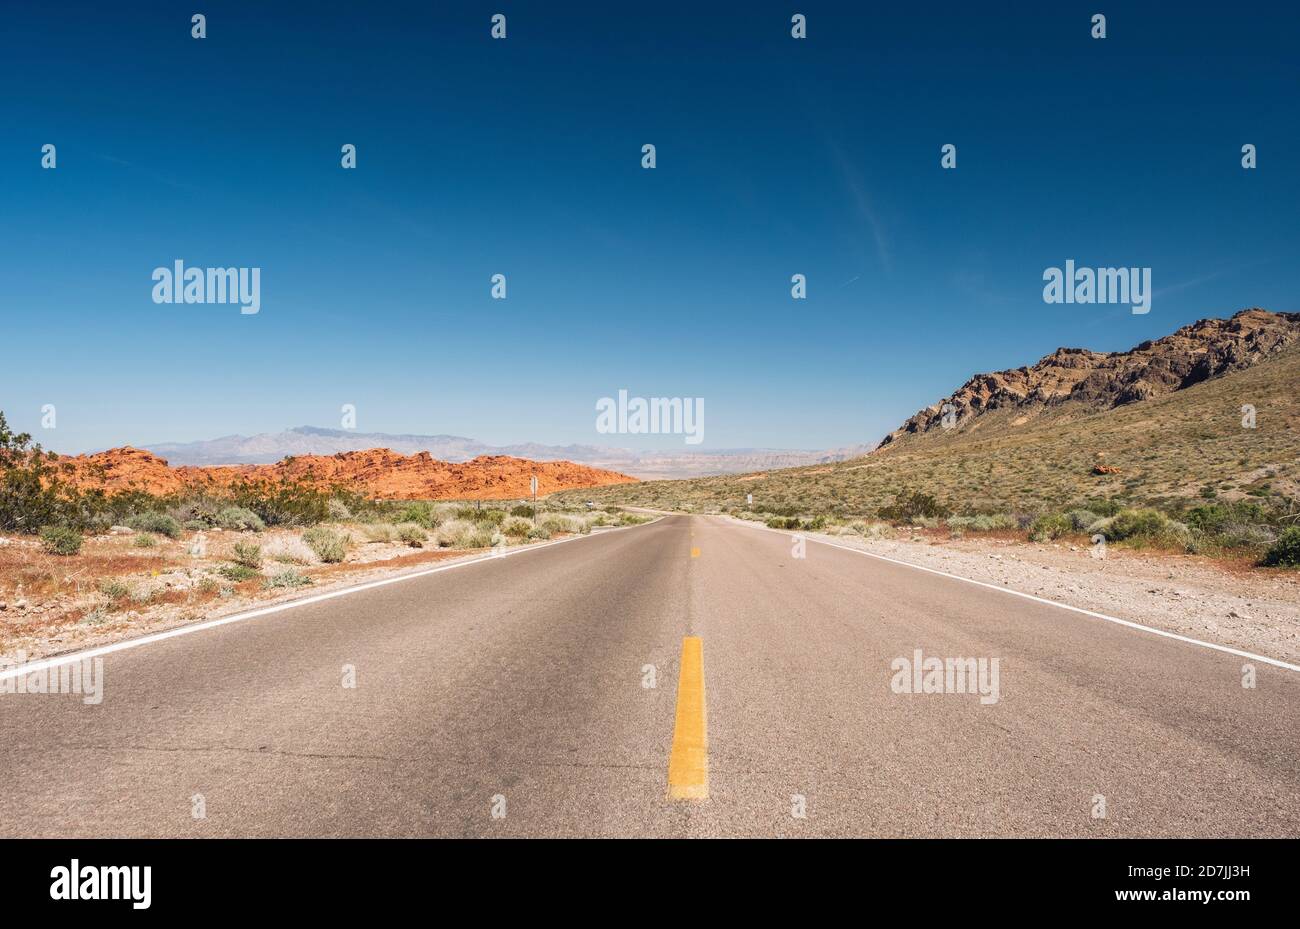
(533, 484)
(749, 499)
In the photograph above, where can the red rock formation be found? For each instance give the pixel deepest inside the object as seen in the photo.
(377, 472)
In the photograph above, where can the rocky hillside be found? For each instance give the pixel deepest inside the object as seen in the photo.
(1078, 380)
(1064, 433)
(379, 473)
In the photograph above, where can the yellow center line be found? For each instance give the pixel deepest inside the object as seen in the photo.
(688, 765)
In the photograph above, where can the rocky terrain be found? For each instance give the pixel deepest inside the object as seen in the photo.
(270, 447)
(1090, 381)
(377, 473)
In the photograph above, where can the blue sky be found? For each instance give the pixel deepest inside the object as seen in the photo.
(522, 157)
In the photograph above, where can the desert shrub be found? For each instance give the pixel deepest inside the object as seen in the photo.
(1050, 526)
(453, 533)
(412, 534)
(816, 524)
(926, 522)
(523, 510)
(237, 572)
(248, 554)
(30, 493)
(516, 527)
(1103, 508)
(114, 589)
(1138, 523)
(286, 578)
(240, 519)
(982, 522)
(481, 537)
(144, 540)
(60, 540)
(196, 513)
(153, 521)
(289, 550)
(908, 507)
(329, 546)
(381, 532)
(1285, 552)
(287, 503)
(491, 517)
(421, 513)
(1234, 534)
(1080, 520)
(563, 522)
(539, 532)
(337, 510)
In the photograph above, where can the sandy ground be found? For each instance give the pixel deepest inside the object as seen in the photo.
(63, 607)
(1253, 609)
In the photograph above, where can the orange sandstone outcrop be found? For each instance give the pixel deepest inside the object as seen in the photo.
(378, 473)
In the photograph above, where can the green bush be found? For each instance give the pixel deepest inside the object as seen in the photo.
(60, 540)
(289, 503)
(237, 572)
(481, 537)
(909, 506)
(412, 534)
(1285, 552)
(539, 532)
(248, 554)
(287, 578)
(1050, 526)
(1138, 523)
(337, 510)
(153, 521)
(516, 527)
(329, 546)
(240, 519)
(523, 510)
(422, 514)
(144, 540)
(114, 589)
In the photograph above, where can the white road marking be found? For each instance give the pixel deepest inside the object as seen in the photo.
(1064, 606)
(58, 660)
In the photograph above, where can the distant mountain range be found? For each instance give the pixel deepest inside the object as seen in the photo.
(270, 447)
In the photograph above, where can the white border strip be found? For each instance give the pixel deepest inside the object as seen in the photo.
(58, 660)
(1016, 593)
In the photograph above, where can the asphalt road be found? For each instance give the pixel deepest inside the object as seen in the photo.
(518, 687)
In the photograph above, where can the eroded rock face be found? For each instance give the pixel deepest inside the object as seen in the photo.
(1103, 380)
(377, 472)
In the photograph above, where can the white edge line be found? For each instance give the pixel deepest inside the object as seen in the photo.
(58, 660)
(1064, 606)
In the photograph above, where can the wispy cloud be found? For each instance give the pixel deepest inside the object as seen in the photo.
(857, 190)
